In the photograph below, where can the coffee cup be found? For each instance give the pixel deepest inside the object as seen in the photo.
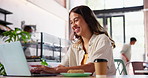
(100, 67)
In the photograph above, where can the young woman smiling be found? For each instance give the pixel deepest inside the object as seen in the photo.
(91, 42)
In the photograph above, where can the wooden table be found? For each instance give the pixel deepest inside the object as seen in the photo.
(113, 76)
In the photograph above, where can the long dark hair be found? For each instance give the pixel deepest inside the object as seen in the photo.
(91, 20)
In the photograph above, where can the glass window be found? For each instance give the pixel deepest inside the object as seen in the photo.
(111, 4)
(117, 34)
(134, 27)
(130, 3)
(95, 4)
(100, 21)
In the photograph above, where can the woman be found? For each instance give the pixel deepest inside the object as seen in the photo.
(91, 42)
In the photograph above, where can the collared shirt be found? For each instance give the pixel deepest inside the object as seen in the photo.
(99, 48)
(127, 51)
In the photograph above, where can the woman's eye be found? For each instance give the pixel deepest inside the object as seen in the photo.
(76, 20)
(71, 22)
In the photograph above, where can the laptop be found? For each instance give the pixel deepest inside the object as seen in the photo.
(14, 61)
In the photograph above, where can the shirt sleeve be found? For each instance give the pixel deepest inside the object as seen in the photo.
(124, 49)
(65, 59)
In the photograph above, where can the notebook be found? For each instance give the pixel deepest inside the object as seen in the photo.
(14, 61)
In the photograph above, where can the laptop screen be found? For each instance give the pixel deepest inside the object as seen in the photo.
(13, 59)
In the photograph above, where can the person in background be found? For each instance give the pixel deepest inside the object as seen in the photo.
(26, 48)
(126, 52)
(28, 29)
(90, 42)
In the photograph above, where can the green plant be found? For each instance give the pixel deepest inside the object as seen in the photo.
(43, 62)
(2, 70)
(16, 35)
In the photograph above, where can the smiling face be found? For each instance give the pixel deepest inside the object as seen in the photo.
(78, 24)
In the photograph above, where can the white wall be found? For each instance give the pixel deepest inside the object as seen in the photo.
(51, 21)
(74, 3)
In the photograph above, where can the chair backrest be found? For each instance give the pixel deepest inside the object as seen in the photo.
(120, 67)
(137, 65)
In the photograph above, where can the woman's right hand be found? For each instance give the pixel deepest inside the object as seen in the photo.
(40, 69)
(37, 70)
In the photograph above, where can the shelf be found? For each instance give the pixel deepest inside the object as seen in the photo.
(45, 46)
(5, 23)
(4, 11)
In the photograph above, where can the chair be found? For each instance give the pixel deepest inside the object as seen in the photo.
(137, 65)
(120, 67)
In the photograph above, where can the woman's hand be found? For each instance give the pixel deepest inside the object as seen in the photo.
(127, 60)
(59, 66)
(36, 70)
(40, 69)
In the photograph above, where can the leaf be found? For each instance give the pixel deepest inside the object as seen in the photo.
(2, 70)
(16, 35)
(43, 62)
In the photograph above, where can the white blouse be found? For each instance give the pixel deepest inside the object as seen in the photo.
(99, 48)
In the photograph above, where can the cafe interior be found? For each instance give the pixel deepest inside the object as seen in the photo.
(50, 31)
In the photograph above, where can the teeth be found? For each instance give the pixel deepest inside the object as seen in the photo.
(77, 30)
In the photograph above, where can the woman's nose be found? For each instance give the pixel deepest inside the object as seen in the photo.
(73, 25)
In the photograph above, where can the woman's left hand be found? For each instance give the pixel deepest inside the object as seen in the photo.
(40, 69)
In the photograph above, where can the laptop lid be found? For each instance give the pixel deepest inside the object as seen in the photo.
(13, 59)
